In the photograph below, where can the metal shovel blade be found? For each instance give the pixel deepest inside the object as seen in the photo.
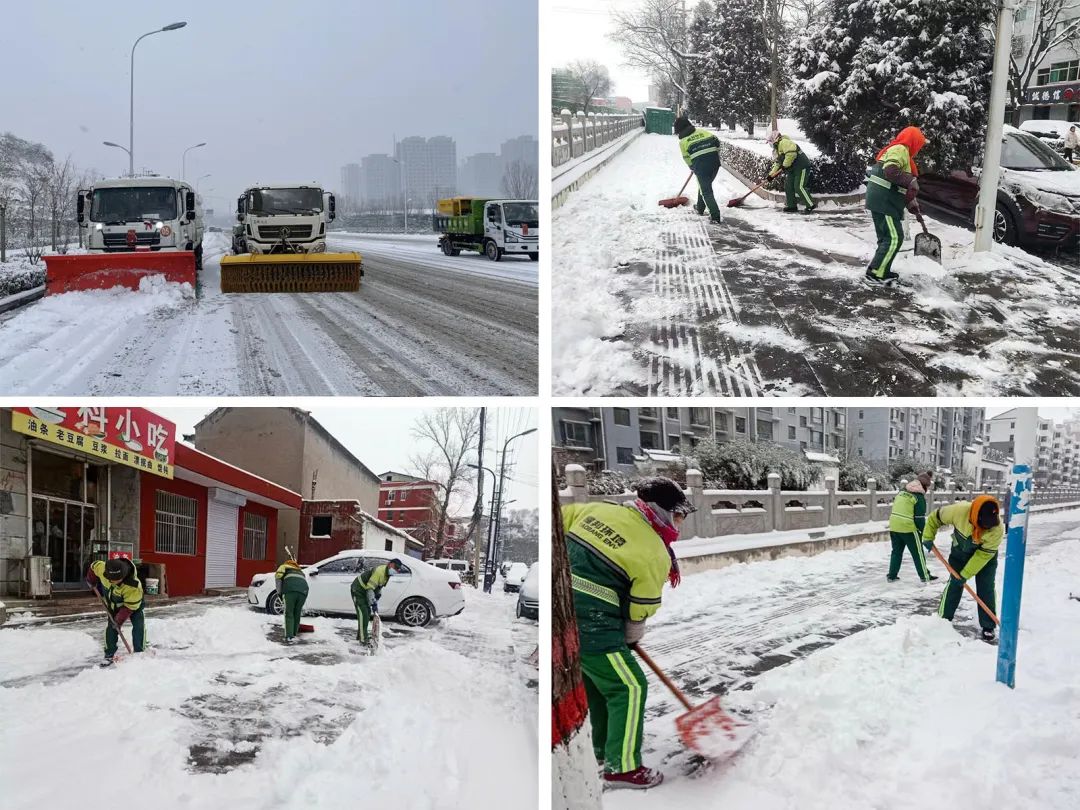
(674, 202)
(711, 731)
(928, 245)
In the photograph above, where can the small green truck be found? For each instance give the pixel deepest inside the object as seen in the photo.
(492, 227)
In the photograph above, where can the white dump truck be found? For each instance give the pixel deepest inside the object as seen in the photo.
(152, 213)
(495, 228)
(283, 219)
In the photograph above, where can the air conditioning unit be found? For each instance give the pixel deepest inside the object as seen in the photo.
(40, 577)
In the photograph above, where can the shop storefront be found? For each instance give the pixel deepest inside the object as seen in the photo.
(83, 484)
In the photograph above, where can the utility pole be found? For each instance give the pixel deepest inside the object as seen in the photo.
(478, 506)
(775, 79)
(493, 523)
(1025, 452)
(986, 210)
(3, 232)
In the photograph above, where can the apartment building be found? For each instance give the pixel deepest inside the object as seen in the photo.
(935, 437)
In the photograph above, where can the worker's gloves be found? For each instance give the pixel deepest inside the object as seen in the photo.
(633, 632)
(375, 606)
(913, 207)
(777, 173)
(674, 575)
(121, 616)
(928, 545)
(912, 190)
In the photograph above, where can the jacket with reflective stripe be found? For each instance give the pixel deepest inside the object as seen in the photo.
(372, 580)
(697, 143)
(290, 579)
(788, 155)
(908, 513)
(883, 195)
(127, 593)
(619, 566)
(957, 515)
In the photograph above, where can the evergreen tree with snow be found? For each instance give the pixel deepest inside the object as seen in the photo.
(872, 67)
(729, 74)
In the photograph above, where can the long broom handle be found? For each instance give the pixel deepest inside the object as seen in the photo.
(967, 587)
(112, 621)
(666, 680)
(684, 185)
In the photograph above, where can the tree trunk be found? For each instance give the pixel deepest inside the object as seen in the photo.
(573, 767)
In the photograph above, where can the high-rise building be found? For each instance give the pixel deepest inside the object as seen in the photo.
(481, 175)
(430, 168)
(935, 437)
(566, 90)
(524, 148)
(350, 186)
(1057, 456)
(380, 180)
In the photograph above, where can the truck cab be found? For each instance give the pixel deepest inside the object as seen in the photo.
(141, 213)
(492, 227)
(283, 219)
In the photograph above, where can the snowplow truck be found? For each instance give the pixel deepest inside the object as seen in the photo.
(132, 227)
(492, 227)
(280, 242)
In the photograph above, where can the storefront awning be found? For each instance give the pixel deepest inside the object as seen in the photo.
(199, 468)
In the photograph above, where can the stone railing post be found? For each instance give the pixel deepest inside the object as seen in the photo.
(700, 523)
(776, 502)
(575, 479)
(579, 118)
(871, 499)
(832, 509)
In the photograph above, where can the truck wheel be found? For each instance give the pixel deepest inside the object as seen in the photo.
(534, 257)
(493, 251)
(449, 249)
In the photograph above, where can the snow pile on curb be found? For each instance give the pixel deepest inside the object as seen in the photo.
(25, 651)
(19, 275)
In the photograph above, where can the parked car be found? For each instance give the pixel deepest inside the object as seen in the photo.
(1038, 200)
(416, 596)
(504, 567)
(463, 568)
(514, 576)
(528, 601)
(1050, 132)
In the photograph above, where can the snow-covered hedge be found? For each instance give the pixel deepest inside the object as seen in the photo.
(829, 176)
(19, 275)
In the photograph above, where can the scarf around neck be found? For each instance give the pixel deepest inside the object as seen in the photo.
(660, 520)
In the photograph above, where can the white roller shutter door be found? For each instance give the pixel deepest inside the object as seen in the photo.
(221, 541)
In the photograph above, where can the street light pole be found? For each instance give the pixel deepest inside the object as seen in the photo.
(183, 160)
(131, 110)
(496, 512)
(197, 182)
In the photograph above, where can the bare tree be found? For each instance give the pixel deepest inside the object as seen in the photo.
(1054, 23)
(520, 180)
(450, 437)
(653, 38)
(60, 193)
(593, 79)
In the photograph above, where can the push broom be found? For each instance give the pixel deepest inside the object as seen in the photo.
(675, 202)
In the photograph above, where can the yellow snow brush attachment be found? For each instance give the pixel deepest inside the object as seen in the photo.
(291, 273)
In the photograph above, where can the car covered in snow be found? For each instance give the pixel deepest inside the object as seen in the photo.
(1038, 200)
(416, 596)
(514, 576)
(528, 601)
(1051, 132)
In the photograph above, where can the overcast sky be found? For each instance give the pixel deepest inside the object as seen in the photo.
(582, 28)
(380, 437)
(281, 91)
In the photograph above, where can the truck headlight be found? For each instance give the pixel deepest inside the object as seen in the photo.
(512, 237)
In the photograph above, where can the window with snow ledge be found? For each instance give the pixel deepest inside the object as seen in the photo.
(321, 526)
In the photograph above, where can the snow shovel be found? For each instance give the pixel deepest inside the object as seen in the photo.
(675, 202)
(926, 244)
(740, 200)
(967, 587)
(112, 621)
(706, 729)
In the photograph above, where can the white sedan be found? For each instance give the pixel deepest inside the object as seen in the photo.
(416, 596)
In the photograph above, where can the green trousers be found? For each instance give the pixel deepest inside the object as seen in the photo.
(910, 541)
(984, 587)
(138, 634)
(795, 188)
(705, 169)
(615, 687)
(294, 607)
(363, 617)
(890, 234)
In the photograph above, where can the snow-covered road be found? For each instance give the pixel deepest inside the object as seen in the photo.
(223, 714)
(422, 324)
(861, 697)
(659, 302)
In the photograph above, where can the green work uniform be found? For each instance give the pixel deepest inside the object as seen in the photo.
(906, 525)
(969, 557)
(887, 202)
(293, 587)
(366, 590)
(701, 152)
(128, 593)
(791, 159)
(618, 567)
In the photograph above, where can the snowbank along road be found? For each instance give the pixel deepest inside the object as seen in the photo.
(768, 303)
(422, 324)
(854, 684)
(224, 714)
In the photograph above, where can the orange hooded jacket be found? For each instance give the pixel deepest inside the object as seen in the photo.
(913, 140)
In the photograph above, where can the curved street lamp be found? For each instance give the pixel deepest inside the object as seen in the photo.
(183, 160)
(131, 117)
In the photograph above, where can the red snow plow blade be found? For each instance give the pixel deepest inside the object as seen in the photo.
(103, 271)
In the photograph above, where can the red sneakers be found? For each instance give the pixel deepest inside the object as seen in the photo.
(638, 779)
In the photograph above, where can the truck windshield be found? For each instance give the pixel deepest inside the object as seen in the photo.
(1028, 153)
(139, 204)
(271, 201)
(522, 213)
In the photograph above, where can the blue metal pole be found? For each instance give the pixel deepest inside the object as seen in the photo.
(1013, 586)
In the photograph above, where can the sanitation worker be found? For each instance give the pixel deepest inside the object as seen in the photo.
(117, 582)
(366, 590)
(619, 561)
(701, 152)
(976, 535)
(891, 186)
(906, 524)
(789, 158)
(1072, 143)
(292, 585)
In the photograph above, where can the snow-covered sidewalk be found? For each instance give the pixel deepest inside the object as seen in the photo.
(224, 714)
(861, 697)
(648, 300)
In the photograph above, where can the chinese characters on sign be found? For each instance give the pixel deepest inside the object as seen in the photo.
(134, 437)
(1052, 95)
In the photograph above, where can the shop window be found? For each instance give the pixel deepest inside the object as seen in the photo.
(254, 537)
(321, 525)
(57, 476)
(175, 524)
